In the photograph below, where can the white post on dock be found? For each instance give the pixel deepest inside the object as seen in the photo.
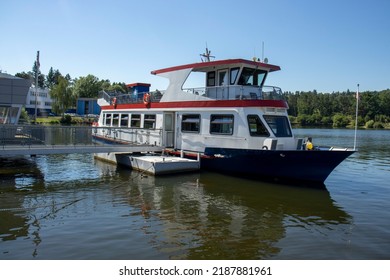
(356, 116)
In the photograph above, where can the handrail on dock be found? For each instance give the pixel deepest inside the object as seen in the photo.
(38, 139)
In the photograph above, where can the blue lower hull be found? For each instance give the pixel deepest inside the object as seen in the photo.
(283, 166)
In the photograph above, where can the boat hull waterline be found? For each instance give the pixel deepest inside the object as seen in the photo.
(295, 167)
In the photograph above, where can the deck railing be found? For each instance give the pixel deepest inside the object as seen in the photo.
(127, 98)
(238, 92)
(230, 92)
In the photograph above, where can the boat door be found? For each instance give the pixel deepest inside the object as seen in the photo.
(169, 129)
(223, 84)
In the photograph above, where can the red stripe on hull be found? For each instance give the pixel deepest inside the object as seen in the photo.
(197, 104)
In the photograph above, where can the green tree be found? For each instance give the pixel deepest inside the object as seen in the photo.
(68, 78)
(52, 77)
(292, 100)
(24, 75)
(306, 103)
(118, 87)
(41, 77)
(63, 96)
(384, 102)
(88, 86)
(369, 104)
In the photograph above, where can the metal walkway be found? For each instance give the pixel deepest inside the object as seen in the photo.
(44, 140)
(72, 149)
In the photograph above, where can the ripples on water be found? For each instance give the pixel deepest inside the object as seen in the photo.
(74, 207)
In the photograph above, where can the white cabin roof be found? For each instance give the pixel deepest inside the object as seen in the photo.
(205, 66)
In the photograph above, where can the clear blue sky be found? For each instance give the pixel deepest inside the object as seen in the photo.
(324, 45)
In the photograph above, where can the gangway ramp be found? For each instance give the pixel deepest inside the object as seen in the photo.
(132, 152)
(16, 150)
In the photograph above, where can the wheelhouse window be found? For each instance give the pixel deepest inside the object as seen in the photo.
(190, 123)
(211, 79)
(256, 126)
(252, 77)
(124, 120)
(135, 120)
(221, 124)
(279, 125)
(233, 75)
(222, 78)
(149, 121)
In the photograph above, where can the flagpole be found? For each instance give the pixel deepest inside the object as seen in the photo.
(36, 85)
(356, 117)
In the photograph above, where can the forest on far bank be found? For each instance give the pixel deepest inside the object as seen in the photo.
(338, 109)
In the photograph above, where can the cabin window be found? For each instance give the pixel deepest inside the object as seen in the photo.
(149, 121)
(124, 120)
(107, 120)
(222, 78)
(256, 126)
(221, 124)
(279, 125)
(252, 77)
(115, 119)
(190, 123)
(233, 75)
(135, 120)
(211, 79)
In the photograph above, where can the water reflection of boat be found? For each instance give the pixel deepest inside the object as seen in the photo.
(206, 216)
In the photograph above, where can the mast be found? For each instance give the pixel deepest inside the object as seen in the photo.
(207, 55)
(356, 116)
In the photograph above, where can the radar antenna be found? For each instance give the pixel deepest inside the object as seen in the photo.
(205, 57)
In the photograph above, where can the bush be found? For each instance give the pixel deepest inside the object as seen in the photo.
(326, 120)
(378, 125)
(24, 117)
(67, 119)
(340, 120)
(303, 119)
(370, 124)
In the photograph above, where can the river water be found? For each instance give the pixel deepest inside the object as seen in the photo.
(76, 207)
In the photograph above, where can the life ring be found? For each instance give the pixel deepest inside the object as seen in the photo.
(114, 101)
(265, 148)
(146, 99)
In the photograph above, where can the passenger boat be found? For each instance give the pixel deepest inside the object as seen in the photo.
(234, 123)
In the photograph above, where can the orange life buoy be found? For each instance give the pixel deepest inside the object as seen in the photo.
(146, 99)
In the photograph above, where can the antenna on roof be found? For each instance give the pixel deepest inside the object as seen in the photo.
(263, 59)
(205, 57)
(262, 52)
